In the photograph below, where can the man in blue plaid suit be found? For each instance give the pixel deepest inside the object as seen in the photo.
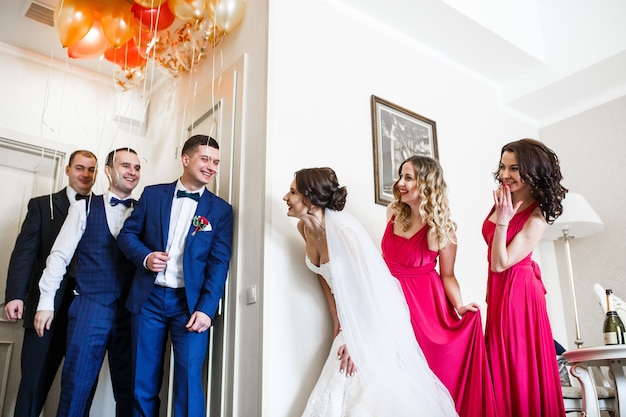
(98, 322)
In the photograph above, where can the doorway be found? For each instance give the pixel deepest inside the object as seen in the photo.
(26, 171)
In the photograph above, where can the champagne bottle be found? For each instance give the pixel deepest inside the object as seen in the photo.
(613, 327)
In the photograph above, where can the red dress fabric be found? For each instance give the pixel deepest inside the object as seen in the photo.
(454, 347)
(518, 336)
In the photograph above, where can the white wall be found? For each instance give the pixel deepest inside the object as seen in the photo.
(591, 147)
(53, 107)
(325, 62)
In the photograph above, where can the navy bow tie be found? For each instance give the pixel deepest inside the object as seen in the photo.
(193, 196)
(81, 197)
(128, 202)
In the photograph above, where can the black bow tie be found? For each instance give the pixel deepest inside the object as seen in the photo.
(193, 196)
(128, 202)
(81, 197)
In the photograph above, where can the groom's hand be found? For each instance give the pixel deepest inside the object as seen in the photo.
(199, 322)
(157, 261)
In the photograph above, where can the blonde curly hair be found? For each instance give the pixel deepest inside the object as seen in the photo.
(434, 208)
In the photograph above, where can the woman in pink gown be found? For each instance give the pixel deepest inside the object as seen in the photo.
(419, 230)
(518, 337)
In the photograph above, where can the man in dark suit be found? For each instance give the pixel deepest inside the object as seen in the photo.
(41, 357)
(179, 237)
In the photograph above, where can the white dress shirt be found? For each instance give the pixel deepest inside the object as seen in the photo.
(71, 194)
(181, 216)
(67, 241)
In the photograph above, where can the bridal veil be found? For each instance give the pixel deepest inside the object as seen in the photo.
(376, 325)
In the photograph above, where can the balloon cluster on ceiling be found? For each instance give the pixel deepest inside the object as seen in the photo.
(174, 34)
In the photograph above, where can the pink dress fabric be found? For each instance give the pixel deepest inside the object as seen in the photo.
(518, 336)
(454, 347)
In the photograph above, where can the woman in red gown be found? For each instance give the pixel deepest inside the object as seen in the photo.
(419, 231)
(518, 337)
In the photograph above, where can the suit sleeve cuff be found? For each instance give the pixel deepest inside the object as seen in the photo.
(145, 261)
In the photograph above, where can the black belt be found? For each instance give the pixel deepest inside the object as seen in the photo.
(169, 288)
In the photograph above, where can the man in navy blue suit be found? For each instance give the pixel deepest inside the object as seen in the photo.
(41, 357)
(179, 237)
(98, 321)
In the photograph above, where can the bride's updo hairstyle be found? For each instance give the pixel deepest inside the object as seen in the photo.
(320, 188)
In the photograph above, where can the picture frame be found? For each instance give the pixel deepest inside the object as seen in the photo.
(397, 134)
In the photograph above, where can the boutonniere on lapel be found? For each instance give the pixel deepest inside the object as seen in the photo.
(200, 223)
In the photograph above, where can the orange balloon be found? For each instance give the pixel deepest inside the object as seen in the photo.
(188, 10)
(150, 4)
(145, 39)
(72, 20)
(92, 45)
(227, 13)
(118, 23)
(127, 56)
(157, 18)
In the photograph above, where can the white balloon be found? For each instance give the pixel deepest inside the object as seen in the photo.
(227, 14)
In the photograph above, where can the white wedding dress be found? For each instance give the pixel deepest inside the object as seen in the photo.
(393, 378)
(335, 395)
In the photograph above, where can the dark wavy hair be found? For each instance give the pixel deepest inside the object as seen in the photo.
(320, 187)
(539, 168)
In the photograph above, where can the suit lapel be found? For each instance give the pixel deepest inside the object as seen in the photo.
(60, 202)
(166, 207)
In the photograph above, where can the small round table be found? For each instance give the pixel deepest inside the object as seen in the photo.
(613, 356)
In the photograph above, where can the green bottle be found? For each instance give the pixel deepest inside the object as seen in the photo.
(613, 327)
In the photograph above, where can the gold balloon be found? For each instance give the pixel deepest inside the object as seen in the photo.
(175, 51)
(163, 55)
(189, 44)
(150, 4)
(188, 10)
(213, 36)
(118, 23)
(126, 79)
(92, 45)
(227, 14)
(72, 20)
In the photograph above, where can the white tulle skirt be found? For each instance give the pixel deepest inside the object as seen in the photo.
(336, 395)
(393, 377)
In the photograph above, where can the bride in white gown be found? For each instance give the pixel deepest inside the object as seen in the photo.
(372, 324)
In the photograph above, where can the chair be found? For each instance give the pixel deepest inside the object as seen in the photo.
(572, 393)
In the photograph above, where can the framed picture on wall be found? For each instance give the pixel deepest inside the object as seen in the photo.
(398, 134)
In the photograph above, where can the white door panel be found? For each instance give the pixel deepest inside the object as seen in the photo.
(26, 172)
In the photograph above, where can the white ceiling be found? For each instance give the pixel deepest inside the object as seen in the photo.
(550, 59)
(19, 33)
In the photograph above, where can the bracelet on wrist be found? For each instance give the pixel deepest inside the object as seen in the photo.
(502, 224)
